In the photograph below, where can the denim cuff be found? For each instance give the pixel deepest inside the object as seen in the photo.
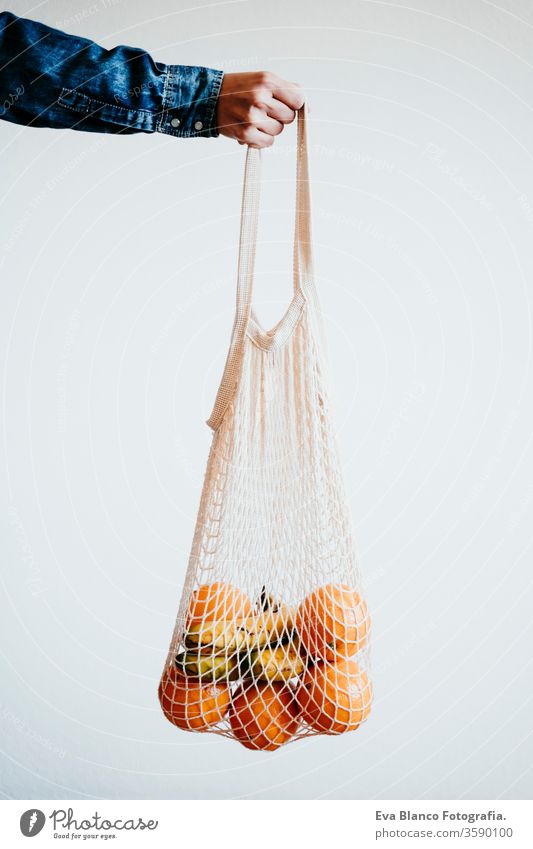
(190, 97)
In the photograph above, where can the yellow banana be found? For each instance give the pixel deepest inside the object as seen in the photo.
(207, 667)
(221, 636)
(271, 625)
(275, 664)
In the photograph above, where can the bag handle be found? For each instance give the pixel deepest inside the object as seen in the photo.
(302, 257)
(303, 243)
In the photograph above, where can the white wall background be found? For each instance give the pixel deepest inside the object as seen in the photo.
(118, 260)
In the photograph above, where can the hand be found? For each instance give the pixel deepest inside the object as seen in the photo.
(253, 108)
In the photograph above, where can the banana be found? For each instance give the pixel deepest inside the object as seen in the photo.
(272, 624)
(221, 636)
(275, 621)
(207, 667)
(275, 664)
(254, 632)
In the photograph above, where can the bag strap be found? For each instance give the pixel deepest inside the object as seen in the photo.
(303, 243)
(302, 258)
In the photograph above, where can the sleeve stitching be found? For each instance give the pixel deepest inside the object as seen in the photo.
(212, 101)
(164, 108)
(90, 99)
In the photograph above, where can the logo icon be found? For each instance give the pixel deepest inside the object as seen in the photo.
(32, 822)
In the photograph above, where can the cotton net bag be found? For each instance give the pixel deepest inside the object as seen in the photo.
(272, 634)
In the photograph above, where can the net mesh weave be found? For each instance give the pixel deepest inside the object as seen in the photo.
(271, 640)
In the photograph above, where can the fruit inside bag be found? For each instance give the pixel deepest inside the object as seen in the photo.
(271, 641)
(270, 670)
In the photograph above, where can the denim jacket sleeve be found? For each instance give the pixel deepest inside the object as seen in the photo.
(51, 79)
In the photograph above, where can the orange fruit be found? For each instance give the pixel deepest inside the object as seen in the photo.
(216, 602)
(264, 716)
(191, 705)
(333, 622)
(335, 697)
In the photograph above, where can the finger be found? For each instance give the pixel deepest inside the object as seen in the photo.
(269, 126)
(259, 140)
(279, 111)
(308, 105)
(290, 94)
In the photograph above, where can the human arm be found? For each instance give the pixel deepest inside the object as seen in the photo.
(49, 78)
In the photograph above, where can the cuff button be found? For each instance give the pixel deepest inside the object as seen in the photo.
(198, 125)
(175, 122)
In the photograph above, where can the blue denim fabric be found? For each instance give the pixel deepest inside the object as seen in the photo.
(51, 79)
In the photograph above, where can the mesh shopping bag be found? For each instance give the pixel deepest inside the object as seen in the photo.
(271, 640)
